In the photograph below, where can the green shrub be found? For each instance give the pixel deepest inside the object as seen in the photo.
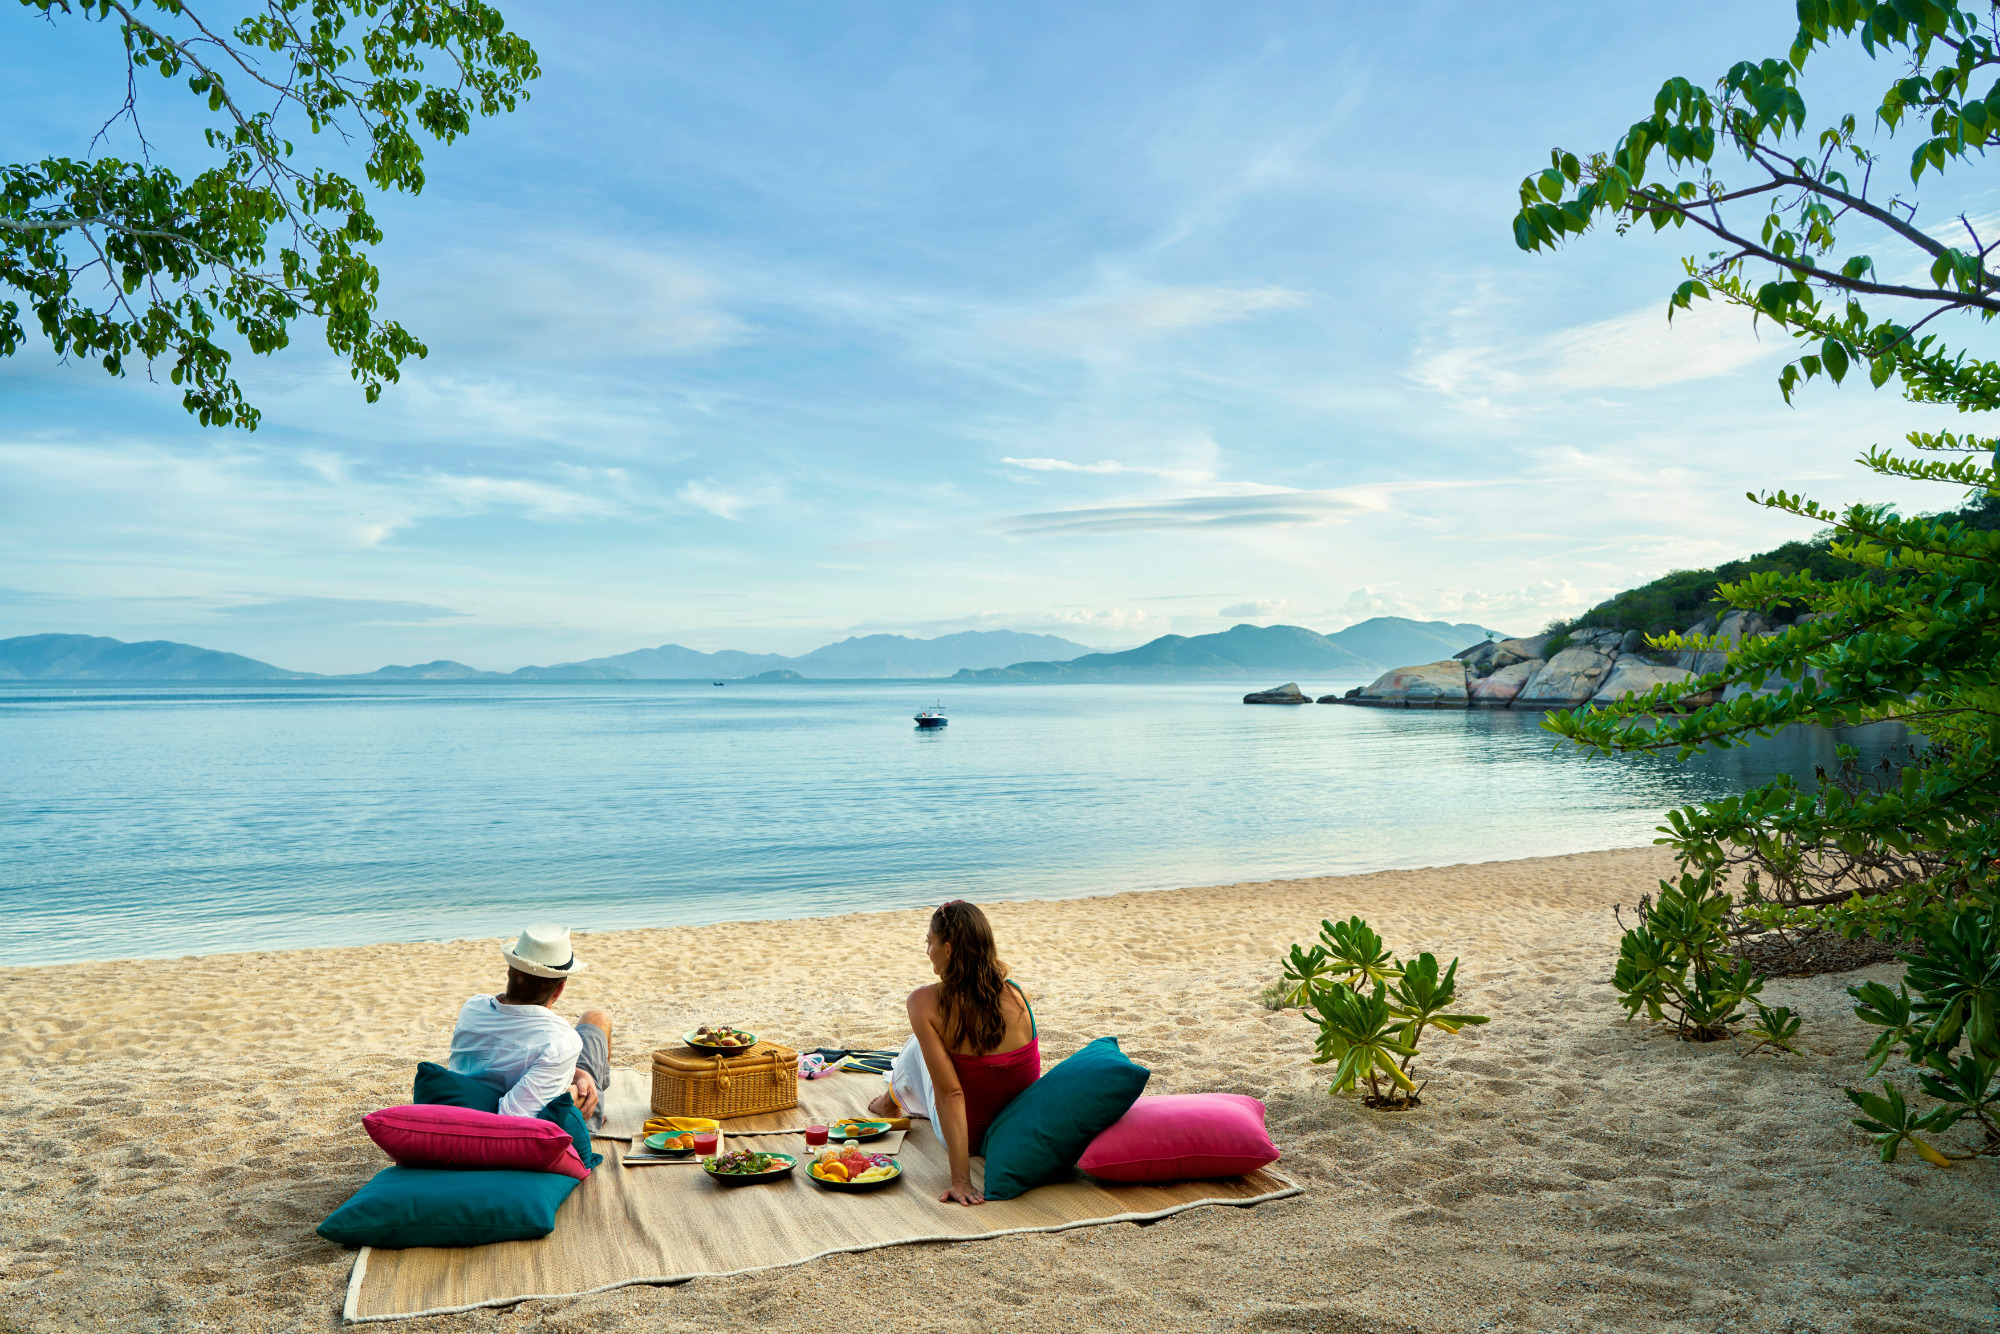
(1957, 984)
(1371, 1009)
(1675, 964)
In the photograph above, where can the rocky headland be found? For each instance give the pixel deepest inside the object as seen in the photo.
(1566, 671)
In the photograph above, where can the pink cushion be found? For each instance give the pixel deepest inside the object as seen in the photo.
(1181, 1137)
(434, 1135)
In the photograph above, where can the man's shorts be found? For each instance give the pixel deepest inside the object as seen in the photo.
(596, 1056)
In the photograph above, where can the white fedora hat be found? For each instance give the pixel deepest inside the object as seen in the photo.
(543, 950)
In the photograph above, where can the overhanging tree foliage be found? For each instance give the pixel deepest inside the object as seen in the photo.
(1914, 633)
(119, 259)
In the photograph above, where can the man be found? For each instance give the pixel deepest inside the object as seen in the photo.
(516, 1042)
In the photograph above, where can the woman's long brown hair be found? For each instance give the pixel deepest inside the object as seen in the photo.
(970, 989)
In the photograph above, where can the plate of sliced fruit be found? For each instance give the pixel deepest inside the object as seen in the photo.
(853, 1171)
(719, 1038)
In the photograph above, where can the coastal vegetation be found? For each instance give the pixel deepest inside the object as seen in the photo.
(1891, 617)
(1681, 598)
(1372, 1009)
(120, 259)
(1677, 959)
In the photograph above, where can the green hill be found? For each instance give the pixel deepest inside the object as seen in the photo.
(1241, 651)
(95, 658)
(1680, 598)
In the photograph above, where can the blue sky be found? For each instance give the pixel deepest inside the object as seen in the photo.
(763, 325)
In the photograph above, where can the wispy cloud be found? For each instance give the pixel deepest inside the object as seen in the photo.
(1262, 609)
(303, 611)
(1109, 467)
(725, 502)
(568, 298)
(1245, 506)
(1094, 326)
(1478, 363)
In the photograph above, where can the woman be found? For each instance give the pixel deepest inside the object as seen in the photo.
(973, 1046)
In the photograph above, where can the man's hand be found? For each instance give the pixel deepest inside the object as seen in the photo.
(583, 1091)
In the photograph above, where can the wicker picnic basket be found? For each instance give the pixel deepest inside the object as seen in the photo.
(687, 1082)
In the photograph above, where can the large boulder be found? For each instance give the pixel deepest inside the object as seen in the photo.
(1484, 659)
(1478, 658)
(1569, 678)
(1498, 690)
(1289, 693)
(1433, 685)
(1635, 676)
(1732, 627)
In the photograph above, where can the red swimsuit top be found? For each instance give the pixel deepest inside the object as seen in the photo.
(991, 1082)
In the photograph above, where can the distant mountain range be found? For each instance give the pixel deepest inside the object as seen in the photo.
(867, 657)
(1366, 649)
(94, 658)
(1362, 650)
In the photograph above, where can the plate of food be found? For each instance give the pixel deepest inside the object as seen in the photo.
(745, 1166)
(856, 1128)
(853, 1171)
(720, 1038)
(671, 1143)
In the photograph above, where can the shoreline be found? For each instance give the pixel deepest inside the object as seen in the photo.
(582, 933)
(183, 1124)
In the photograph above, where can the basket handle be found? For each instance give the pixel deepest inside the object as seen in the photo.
(721, 1076)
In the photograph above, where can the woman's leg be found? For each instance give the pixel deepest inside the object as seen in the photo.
(909, 1083)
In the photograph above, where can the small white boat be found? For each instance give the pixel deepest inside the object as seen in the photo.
(932, 717)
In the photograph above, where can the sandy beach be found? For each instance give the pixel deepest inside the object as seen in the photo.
(176, 1128)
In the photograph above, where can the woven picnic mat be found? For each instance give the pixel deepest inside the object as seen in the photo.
(670, 1224)
(624, 1106)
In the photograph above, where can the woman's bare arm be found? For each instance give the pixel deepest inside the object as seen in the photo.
(950, 1096)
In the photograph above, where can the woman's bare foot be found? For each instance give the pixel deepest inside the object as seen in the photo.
(885, 1104)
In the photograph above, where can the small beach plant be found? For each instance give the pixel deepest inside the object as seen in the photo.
(1775, 1026)
(1372, 1010)
(1675, 965)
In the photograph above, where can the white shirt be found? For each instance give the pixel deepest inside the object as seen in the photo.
(528, 1052)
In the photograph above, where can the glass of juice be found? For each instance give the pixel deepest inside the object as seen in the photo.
(705, 1143)
(815, 1136)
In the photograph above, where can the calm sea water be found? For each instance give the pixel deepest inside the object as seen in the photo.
(174, 819)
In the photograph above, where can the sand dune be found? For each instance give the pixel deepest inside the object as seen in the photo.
(174, 1129)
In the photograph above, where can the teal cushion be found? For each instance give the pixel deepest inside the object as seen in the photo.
(563, 1111)
(432, 1206)
(435, 1084)
(1038, 1137)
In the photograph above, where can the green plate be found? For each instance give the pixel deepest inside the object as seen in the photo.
(865, 1130)
(857, 1187)
(784, 1169)
(657, 1142)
